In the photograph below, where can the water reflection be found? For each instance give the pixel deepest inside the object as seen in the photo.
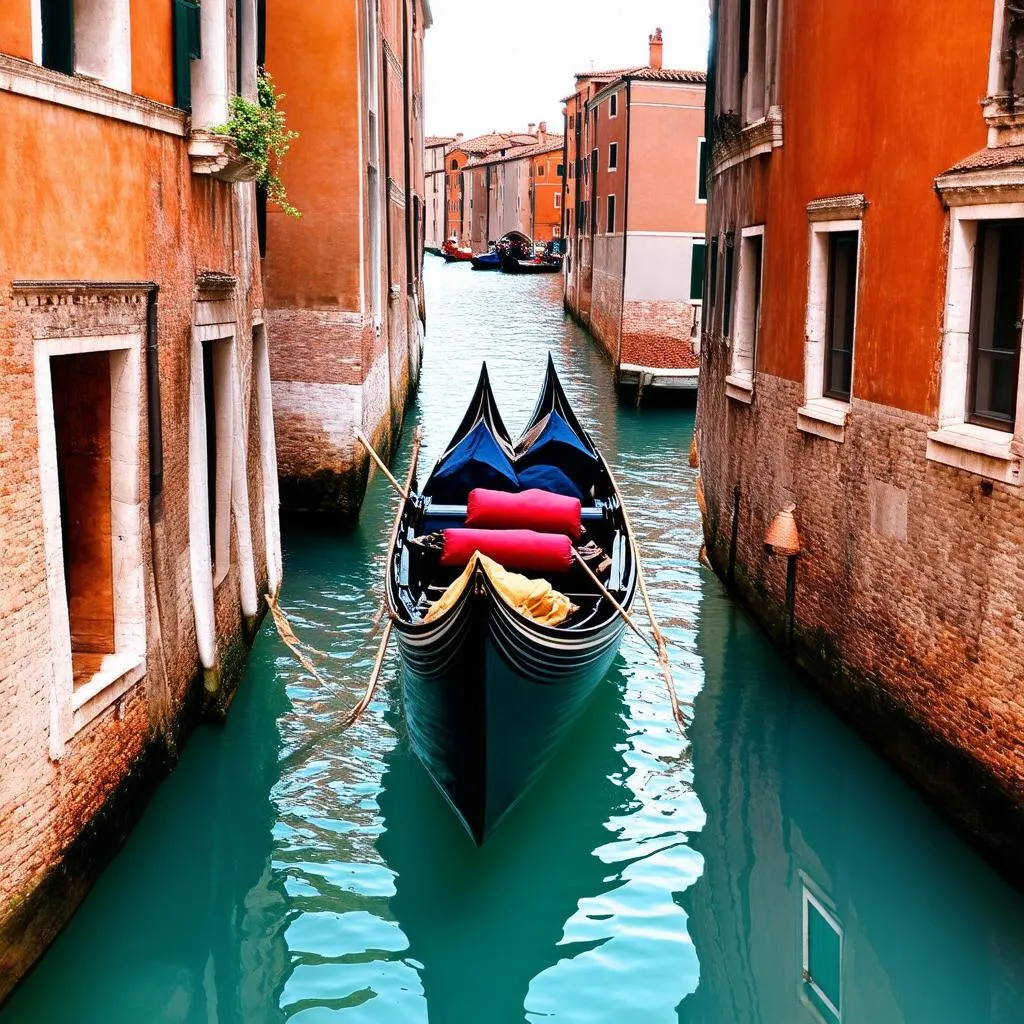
(796, 804)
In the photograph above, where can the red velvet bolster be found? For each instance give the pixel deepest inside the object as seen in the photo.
(521, 550)
(531, 510)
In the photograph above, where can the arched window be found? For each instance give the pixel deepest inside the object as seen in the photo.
(455, 165)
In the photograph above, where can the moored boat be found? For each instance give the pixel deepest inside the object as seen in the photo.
(497, 665)
(454, 253)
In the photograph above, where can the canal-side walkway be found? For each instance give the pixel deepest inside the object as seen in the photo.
(286, 872)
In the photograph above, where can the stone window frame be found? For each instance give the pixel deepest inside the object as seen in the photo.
(808, 902)
(739, 382)
(613, 104)
(819, 415)
(613, 151)
(71, 711)
(102, 41)
(985, 451)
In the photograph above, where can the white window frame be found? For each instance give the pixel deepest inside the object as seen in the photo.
(558, 200)
(613, 147)
(205, 575)
(71, 710)
(556, 231)
(985, 451)
(820, 415)
(739, 383)
(809, 900)
(103, 42)
(613, 105)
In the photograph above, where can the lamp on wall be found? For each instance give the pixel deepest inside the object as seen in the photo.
(782, 538)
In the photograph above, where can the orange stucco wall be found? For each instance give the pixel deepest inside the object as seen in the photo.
(844, 147)
(310, 260)
(16, 28)
(663, 157)
(152, 50)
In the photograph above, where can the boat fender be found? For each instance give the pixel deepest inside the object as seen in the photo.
(524, 550)
(533, 509)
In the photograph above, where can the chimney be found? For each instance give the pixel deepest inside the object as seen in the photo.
(656, 47)
(542, 131)
(531, 128)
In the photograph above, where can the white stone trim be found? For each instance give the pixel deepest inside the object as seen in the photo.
(743, 353)
(66, 714)
(24, 78)
(103, 42)
(268, 458)
(824, 417)
(818, 409)
(740, 387)
(36, 13)
(847, 207)
(210, 88)
(984, 186)
(991, 453)
(753, 140)
(200, 553)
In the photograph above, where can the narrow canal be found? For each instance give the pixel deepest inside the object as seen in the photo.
(286, 872)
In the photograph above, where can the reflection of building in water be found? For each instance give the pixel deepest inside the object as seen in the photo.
(827, 882)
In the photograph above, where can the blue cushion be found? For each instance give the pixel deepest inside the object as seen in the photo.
(548, 478)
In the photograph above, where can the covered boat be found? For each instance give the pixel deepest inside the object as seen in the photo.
(547, 262)
(502, 631)
(455, 253)
(512, 242)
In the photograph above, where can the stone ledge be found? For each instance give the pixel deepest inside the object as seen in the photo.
(218, 156)
(116, 675)
(24, 78)
(824, 417)
(975, 449)
(740, 387)
(753, 140)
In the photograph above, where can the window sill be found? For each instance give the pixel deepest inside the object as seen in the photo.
(116, 675)
(218, 156)
(824, 417)
(740, 387)
(752, 140)
(975, 449)
(24, 78)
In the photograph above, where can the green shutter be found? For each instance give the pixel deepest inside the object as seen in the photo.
(697, 271)
(187, 47)
(58, 18)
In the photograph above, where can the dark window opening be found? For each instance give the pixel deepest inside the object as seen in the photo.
(261, 218)
(839, 316)
(82, 424)
(998, 302)
(560, 170)
(611, 214)
(697, 262)
(58, 23)
(613, 156)
(455, 165)
(702, 170)
(613, 105)
(712, 277)
(727, 296)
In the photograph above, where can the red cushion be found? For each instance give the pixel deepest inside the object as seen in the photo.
(531, 510)
(522, 550)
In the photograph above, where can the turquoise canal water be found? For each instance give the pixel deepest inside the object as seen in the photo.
(286, 872)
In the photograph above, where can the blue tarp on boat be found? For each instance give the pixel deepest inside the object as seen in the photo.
(558, 446)
(476, 461)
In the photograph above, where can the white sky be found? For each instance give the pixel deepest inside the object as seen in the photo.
(500, 64)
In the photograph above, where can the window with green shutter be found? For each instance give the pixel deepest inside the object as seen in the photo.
(58, 23)
(697, 260)
(187, 47)
(822, 959)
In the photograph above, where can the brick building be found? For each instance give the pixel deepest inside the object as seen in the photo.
(435, 191)
(505, 181)
(861, 359)
(138, 495)
(344, 288)
(633, 209)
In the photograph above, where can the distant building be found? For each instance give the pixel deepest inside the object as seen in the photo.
(505, 181)
(633, 212)
(138, 491)
(436, 191)
(861, 361)
(344, 296)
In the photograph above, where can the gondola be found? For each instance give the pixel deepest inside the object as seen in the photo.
(453, 253)
(538, 265)
(490, 690)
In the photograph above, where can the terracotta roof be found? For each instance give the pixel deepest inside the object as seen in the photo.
(617, 73)
(552, 144)
(438, 140)
(668, 75)
(485, 143)
(1001, 156)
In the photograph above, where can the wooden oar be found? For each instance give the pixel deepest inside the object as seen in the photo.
(403, 491)
(659, 638)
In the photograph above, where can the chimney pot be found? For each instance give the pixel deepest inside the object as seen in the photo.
(656, 46)
(531, 128)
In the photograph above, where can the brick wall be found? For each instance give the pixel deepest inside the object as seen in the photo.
(907, 610)
(657, 334)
